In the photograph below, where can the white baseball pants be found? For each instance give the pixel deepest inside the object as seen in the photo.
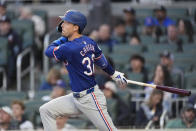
(93, 105)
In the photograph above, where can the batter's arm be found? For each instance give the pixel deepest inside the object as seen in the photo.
(115, 75)
(50, 49)
(102, 62)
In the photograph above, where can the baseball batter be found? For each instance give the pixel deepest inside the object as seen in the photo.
(79, 53)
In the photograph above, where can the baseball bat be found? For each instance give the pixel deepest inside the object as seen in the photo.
(163, 88)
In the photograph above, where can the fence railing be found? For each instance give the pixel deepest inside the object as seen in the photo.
(45, 59)
(4, 79)
(136, 97)
(29, 69)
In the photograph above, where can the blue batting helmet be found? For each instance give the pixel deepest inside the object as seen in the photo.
(75, 17)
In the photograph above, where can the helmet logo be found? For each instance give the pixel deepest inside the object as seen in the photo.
(68, 12)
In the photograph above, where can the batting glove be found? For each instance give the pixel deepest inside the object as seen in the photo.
(119, 78)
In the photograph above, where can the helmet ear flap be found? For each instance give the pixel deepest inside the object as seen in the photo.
(59, 28)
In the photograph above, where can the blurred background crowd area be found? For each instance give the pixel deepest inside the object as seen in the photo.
(150, 41)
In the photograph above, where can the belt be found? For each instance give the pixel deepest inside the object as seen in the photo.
(83, 93)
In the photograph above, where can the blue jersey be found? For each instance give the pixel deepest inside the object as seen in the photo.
(79, 56)
(167, 22)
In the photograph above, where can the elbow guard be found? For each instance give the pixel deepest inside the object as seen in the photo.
(101, 62)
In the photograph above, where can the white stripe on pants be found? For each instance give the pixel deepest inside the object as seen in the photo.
(95, 110)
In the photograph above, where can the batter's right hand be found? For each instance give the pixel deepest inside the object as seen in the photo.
(119, 78)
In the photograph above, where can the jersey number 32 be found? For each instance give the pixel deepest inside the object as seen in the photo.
(90, 65)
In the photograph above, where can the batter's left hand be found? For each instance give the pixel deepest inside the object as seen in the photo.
(119, 78)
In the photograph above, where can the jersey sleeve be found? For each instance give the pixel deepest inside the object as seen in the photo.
(59, 50)
(54, 44)
(62, 52)
(98, 52)
(60, 41)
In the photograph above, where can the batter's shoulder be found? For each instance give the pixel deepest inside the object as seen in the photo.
(89, 39)
(67, 45)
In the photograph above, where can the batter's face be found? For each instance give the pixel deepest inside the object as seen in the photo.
(68, 29)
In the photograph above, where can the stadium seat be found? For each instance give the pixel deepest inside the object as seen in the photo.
(32, 107)
(147, 39)
(150, 67)
(185, 67)
(141, 21)
(184, 61)
(104, 49)
(128, 50)
(184, 58)
(32, 111)
(176, 80)
(3, 51)
(13, 95)
(136, 77)
(111, 106)
(143, 12)
(151, 59)
(6, 98)
(189, 48)
(184, 38)
(37, 122)
(159, 48)
(42, 13)
(40, 94)
(120, 60)
(11, 14)
(78, 123)
(190, 80)
(177, 12)
(124, 95)
(140, 28)
(33, 104)
(25, 28)
(130, 30)
(150, 75)
(6, 101)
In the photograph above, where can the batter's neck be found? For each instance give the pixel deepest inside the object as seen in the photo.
(74, 36)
